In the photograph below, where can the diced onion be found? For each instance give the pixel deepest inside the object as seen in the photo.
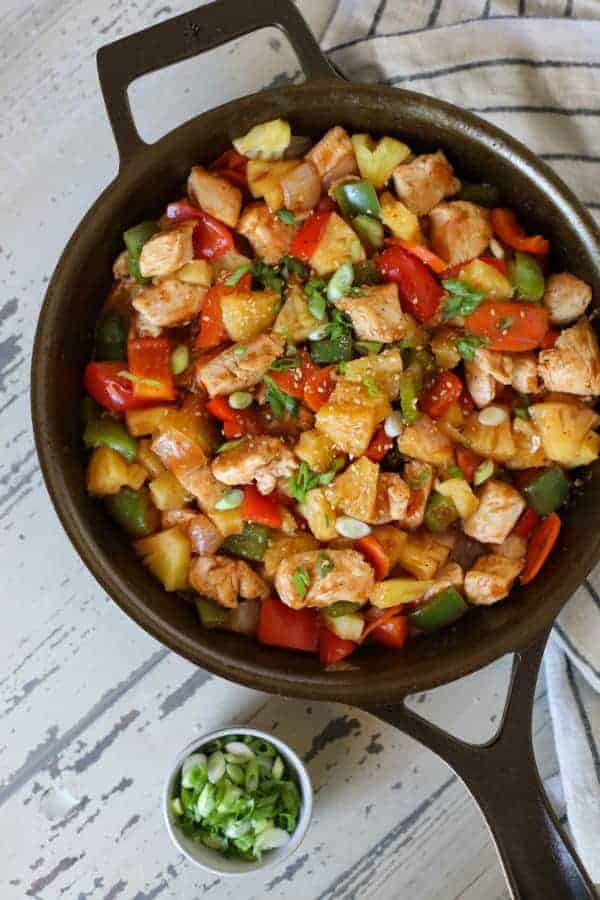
(231, 500)
(394, 425)
(351, 528)
(240, 400)
(180, 359)
(492, 415)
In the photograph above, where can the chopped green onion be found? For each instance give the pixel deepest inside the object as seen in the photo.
(180, 359)
(137, 379)
(278, 769)
(340, 282)
(368, 347)
(287, 216)
(237, 274)
(240, 400)
(215, 766)
(463, 298)
(483, 471)
(239, 350)
(370, 387)
(454, 472)
(301, 579)
(342, 608)
(325, 564)
(468, 344)
(231, 500)
(317, 302)
(278, 400)
(230, 445)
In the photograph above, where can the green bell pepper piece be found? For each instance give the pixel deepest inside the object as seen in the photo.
(369, 230)
(356, 197)
(408, 399)
(483, 194)
(443, 609)
(342, 608)
(211, 614)
(547, 491)
(440, 513)
(251, 543)
(527, 277)
(134, 511)
(135, 238)
(108, 432)
(327, 351)
(367, 273)
(90, 410)
(111, 338)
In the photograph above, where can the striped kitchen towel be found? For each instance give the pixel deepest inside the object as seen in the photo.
(532, 67)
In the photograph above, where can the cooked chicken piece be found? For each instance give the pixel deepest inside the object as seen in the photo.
(450, 575)
(333, 156)
(500, 505)
(491, 579)
(338, 244)
(186, 459)
(226, 580)
(490, 366)
(351, 578)
(425, 181)
(205, 537)
(215, 195)
(167, 251)
(261, 459)
(171, 517)
(573, 364)
(480, 384)
(524, 376)
(392, 499)
(169, 303)
(229, 262)
(514, 547)
(234, 371)
(419, 477)
(498, 365)
(459, 231)
(269, 236)
(566, 297)
(139, 326)
(301, 188)
(377, 314)
(121, 266)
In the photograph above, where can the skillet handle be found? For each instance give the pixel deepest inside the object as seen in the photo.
(186, 36)
(538, 859)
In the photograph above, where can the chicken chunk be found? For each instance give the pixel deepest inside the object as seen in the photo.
(333, 156)
(262, 459)
(489, 367)
(459, 231)
(226, 580)
(338, 244)
(167, 251)
(120, 267)
(301, 188)
(480, 384)
(233, 371)
(377, 314)
(514, 547)
(566, 298)
(419, 477)
(269, 236)
(392, 499)
(186, 459)
(169, 303)
(500, 506)
(425, 181)
(351, 578)
(491, 579)
(524, 375)
(450, 575)
(204, 535)
(215, 195)
(572, 366)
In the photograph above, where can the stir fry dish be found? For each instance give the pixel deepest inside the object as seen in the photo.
(337, 395)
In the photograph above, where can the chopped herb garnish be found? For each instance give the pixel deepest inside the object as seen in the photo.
(504, 323)
(285, 363)
(306, 480)
(301, 580)
(317, 302)
(370, 387)
(521, 412)
(469, 344)
(278, 400)
(137, 379)
(287, 216)
(267, 276)
(340, 325)
(454, 472)
(230, 445)
(325, 564)
(237, 274)
(289, 265)
(239, 351)
(463, 298)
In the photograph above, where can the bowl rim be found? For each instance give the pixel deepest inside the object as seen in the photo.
(302, 778)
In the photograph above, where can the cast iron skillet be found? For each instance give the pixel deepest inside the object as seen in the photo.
(538, 859)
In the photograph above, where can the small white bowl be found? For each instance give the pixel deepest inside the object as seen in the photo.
(212, 860)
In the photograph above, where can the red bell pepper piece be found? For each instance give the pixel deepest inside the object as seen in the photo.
(540, 546)
(393, 633)
(293, 629)
(509, 326)
(231, 165)
(332, 648)
(290, 381)
(467, 461)
(379, 446)
(318, 385)
(149, 360)
(427, 256)
(506, 227)
(375, 555)
(236, 423)
(106, 387)
(549, 339)
(258, 508)
(211, 237)
(306, 239)
(526, 523)
(212, 329)
(419, 292)
(379, 619)
(439, 398)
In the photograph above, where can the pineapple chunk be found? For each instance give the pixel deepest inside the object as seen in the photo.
(145, 421)
(399, 219)
(269, 140)
(392, 540)
(529, 451)
(354, 492)
(228, 521)
(487, 279)
(294, 321)
(398, 590)
(348, 628)
(319, 515)
(168, 493)
(246, 314)
(376, 162)
(426, 442)
(422, 556)
(264, 180)
(316, 450)
(565, 428)
(443, 347)
(282, 546)
(147, 458)
(348, 425)
(383, 368)
(168, 555)
(490, 441)
(461, 494)
(199, 271)
(338, 244)
(108, 472)
(362, 396)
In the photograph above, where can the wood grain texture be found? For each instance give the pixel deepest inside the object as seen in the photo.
(92, 709)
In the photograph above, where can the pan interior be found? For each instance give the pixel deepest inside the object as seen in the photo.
(64, 339)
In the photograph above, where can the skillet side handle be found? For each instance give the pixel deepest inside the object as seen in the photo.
(186, 36)
(538, 859)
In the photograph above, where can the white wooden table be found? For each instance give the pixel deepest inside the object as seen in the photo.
(92, 709)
